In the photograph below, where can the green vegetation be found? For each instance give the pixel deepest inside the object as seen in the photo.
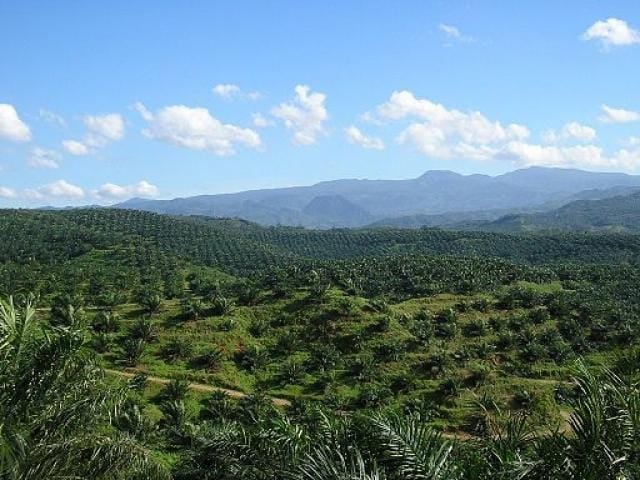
(615, 214)
(345, 354)
(56, 414)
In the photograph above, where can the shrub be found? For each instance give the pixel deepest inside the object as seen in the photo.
(132, 350)
(220, 306)
(209, 358)
(251, 358)
(257, 327)
(175, 391)
(177, 349)
(475, 328)
(228, 324)
(106, 321)
(138, 382)
(143, 329)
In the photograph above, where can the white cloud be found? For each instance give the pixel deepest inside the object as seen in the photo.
(51, 117)
(612, 32)
(453, 33)
(197, 129)
(109, 127)
(452, 134)
(11, 127)
(354, 135)
(101, 130)
(581, 156)
(618, 115)
(143, 111)
(433, 142)
(74, 147)
(140, 189)
(260, 120)
(58, 189)
(62, 189)
(305, 116)
(443, 132)
(6, 192)
(42, 158)
(229, 91)
(570, 131)
(226, 90)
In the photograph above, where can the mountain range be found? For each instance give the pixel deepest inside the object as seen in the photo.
(436, 198)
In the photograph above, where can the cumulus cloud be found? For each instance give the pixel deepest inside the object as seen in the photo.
(6, 192)
(74, 147)
(440, 132)
(42, 158)
(101, 130)
(260, 120)
(51, 117)
(62, 189)
(109, 127)
(612, 32)
(445, 133)
(226, 90)
(304, 116)
(583, 156)
(570, 131)
(114, 191)
(55, 190)
(229, 91)
(355, 135)
(618, 115)
(453, 33)
(197, 129)
(11, 126)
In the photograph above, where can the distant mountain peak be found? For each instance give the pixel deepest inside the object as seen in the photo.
(355, 203)
(439, 174)
(336, 210)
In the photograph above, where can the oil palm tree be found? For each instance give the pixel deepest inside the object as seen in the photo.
(602, 442)
(54, 408)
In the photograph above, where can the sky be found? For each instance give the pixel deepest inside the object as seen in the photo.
(103, 101)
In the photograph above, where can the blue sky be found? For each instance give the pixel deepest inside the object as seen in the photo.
(100, 102)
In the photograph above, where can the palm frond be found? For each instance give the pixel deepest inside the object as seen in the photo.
(415, 451)
(326, 464)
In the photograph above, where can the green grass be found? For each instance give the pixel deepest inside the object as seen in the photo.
(499, 374)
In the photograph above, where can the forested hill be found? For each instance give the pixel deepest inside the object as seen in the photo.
(40, 249)
(237, 246)
(618, 214)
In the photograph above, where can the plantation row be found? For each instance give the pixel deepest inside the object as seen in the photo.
(393, 354)
(61, 420)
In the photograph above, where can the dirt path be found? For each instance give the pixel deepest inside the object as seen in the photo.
(281, 402)
(198, 387)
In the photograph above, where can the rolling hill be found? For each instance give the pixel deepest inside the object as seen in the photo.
(620, 214)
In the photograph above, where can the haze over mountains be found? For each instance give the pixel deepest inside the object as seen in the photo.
(436, 198)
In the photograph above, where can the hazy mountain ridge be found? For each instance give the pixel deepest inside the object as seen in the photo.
(434, 198)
